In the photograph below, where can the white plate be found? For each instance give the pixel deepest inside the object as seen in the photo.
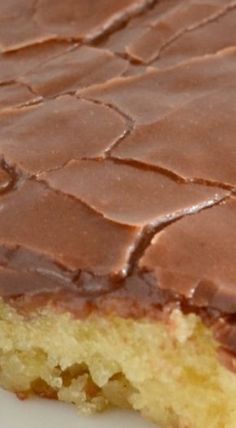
(36, 413)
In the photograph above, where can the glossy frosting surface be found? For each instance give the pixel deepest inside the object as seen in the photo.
(117, 149)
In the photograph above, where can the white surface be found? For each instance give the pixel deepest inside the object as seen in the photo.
(37, 413)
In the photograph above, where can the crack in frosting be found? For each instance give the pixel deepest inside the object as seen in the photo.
(42, 21)
(118, 197)
(146, 37)
(117, 179)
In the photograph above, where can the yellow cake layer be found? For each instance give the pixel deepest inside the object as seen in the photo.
(168, 371)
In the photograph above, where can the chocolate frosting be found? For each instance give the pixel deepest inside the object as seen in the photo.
(117, 158)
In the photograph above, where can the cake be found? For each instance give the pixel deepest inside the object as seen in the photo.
(118, 206)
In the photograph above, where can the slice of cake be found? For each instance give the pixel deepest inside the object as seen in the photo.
(118, 207)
